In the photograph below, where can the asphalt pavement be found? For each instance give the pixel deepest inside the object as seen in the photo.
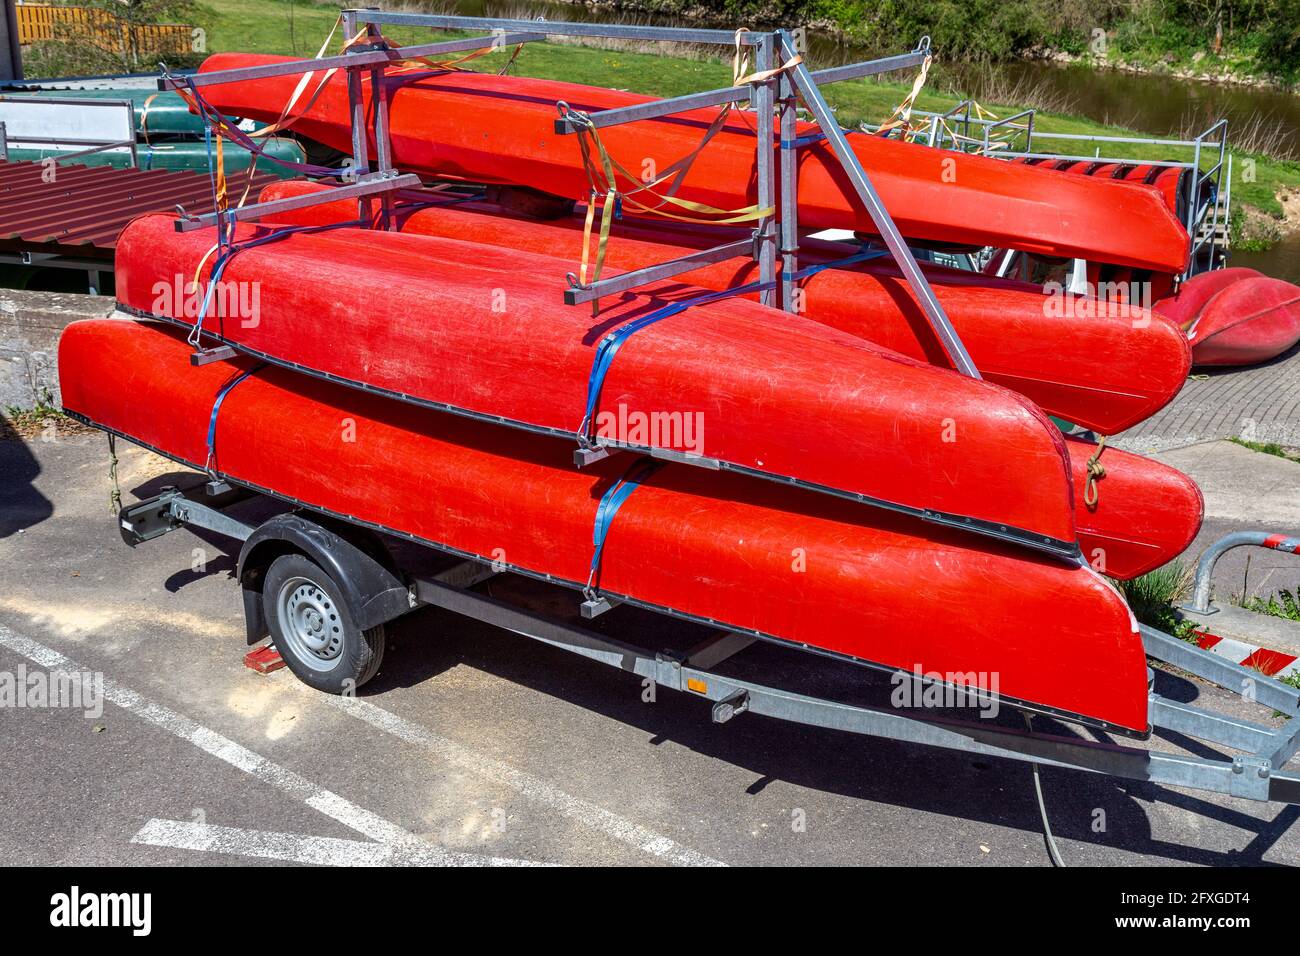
(473, 745)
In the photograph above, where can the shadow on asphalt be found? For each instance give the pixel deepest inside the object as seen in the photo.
(1082, 807)
(21, 505)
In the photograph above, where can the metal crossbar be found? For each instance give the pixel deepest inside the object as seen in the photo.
(774, 235)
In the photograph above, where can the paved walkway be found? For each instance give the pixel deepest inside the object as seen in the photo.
(1258, 404)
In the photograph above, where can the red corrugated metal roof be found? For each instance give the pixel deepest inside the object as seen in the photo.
(90, 205)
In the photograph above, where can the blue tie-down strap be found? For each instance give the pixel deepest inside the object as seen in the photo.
(610, 344)
(216, 408)
(807, 140)
(610, 502)
(228, 250)
(864, 256)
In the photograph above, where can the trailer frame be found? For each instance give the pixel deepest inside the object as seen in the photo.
(1257, 772)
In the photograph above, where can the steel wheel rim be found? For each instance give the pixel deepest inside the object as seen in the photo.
(310, 623)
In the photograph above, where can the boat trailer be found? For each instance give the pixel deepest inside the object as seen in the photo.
(364, 578)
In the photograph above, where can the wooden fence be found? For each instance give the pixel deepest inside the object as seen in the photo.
(103, 28)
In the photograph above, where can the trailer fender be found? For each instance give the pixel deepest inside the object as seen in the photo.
(369, 583)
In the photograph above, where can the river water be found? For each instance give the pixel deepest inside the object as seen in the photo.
(1157, 105)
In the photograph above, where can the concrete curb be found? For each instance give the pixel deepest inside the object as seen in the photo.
(1270, 645)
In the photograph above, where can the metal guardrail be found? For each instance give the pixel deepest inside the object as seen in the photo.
(1238, 539)
(1206, 222)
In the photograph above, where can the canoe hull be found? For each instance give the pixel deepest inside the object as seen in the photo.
(1104, 372)
(482, 332)
(1251, 321)
(797, 567)
(504, 133)
(1235, 317)
(1146, 514)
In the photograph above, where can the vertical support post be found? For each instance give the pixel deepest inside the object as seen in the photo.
(383, 143)
(789, 222)
(764, 117)
(1195, 185)
(11, 55)
(135, 153)
(4, 144)
(357, 114)
(884, 223)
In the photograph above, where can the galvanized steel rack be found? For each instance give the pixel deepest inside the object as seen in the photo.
(774, 236)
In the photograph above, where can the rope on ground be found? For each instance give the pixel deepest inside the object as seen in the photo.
(1052, 852)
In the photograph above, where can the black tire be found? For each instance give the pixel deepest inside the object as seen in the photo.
(347, 656)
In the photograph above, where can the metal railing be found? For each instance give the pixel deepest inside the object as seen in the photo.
(1205, 221)
(1238, 539)
(36, 133)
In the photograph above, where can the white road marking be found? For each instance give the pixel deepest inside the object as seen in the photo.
(349, 814)
(297, 848)
(579, 810)
(223, 748)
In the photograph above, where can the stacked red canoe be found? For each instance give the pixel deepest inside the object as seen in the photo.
(822, 479)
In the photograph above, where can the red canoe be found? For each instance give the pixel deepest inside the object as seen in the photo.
(878, 587)
(480, 331)
(1144, 515)
(1244, 322)
(1184, 306)
(500, 129)
(1173, 182)
(1105, 372)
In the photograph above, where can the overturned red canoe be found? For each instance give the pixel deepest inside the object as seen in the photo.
(1175, 183)
(1139, 515)
(794, 566)
(1106, 372)
(480, 331)
(1242, 319)
(1149, 513)
(500, 129)
(1186, 304)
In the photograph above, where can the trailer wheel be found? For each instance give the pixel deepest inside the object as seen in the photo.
(312, 629)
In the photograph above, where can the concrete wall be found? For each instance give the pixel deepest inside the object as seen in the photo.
(30, 326)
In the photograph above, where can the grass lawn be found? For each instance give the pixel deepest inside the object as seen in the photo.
(276, 26)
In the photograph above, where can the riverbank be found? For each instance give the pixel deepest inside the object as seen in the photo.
(1261, 182)
(1251, 43)
(1229, 69)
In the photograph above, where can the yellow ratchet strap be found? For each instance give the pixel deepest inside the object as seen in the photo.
(902, 115)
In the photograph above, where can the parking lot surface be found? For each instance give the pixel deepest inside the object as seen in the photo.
(473, 745)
